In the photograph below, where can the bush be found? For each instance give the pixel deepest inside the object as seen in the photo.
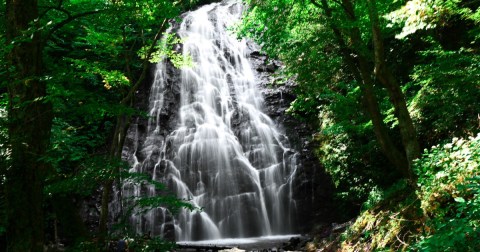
(442, 214)
(449, 188)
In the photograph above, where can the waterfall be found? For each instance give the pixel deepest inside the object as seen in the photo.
(222, 153)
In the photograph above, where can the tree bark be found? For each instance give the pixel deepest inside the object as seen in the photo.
(123, 122)
(29, 126)
(385, 76)
(399, 157)
(360, 69)
(394, 154)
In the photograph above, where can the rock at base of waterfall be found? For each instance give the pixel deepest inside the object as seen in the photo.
(232, 250)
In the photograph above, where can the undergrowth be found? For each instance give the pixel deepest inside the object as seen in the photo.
(441, 214)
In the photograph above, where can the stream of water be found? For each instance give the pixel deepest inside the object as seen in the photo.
(225, 155)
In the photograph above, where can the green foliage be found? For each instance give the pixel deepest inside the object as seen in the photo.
(138, 243)
(435, 58)
(443, 214)
(165, 50)
(341, 161)
(3, 128)
(153, 244)
(109, 78)
(385, 226)
(143, 204)
(428, 14)
(378, 195)
(87, 61)
(449, 191)
(328, 97)
(4, 69)
(95, 52)
(85, 180)
(348, 151)
(297, 36)
(3, 214)
(448, 95)
(91, 63)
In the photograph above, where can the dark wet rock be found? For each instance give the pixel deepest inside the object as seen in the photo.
(169, 232)
(312, 187)
(296, 243)
(90, 211)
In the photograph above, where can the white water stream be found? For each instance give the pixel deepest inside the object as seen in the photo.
(226, 156)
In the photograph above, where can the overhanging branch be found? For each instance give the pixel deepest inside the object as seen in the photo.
(316, 4)
(129, 96)
(69, 19)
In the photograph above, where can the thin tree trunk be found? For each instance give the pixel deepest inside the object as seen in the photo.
(121, 128)
(29, 126)
(360, 70)
(123, 122)
(106, 194)
(394, 155)
(384, 74)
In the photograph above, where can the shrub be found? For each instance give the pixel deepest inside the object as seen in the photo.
(449, 188)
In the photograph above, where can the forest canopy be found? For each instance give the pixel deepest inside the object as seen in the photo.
(391, 90)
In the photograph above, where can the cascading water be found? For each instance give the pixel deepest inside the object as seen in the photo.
(224, 155)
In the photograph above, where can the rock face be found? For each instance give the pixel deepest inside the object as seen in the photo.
(313, 188)
(167, 145)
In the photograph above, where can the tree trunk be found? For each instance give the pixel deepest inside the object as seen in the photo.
(385, 76)
(104, 212)
(29, 126)
(360, 70)
(394, 155)
(123, 122)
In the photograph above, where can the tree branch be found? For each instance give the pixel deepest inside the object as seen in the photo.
(126, 55)
(71, 18)
(127, 99)
(58, 7)
(360, 69)
(316, 4)
(397, 98)
(377, 37)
